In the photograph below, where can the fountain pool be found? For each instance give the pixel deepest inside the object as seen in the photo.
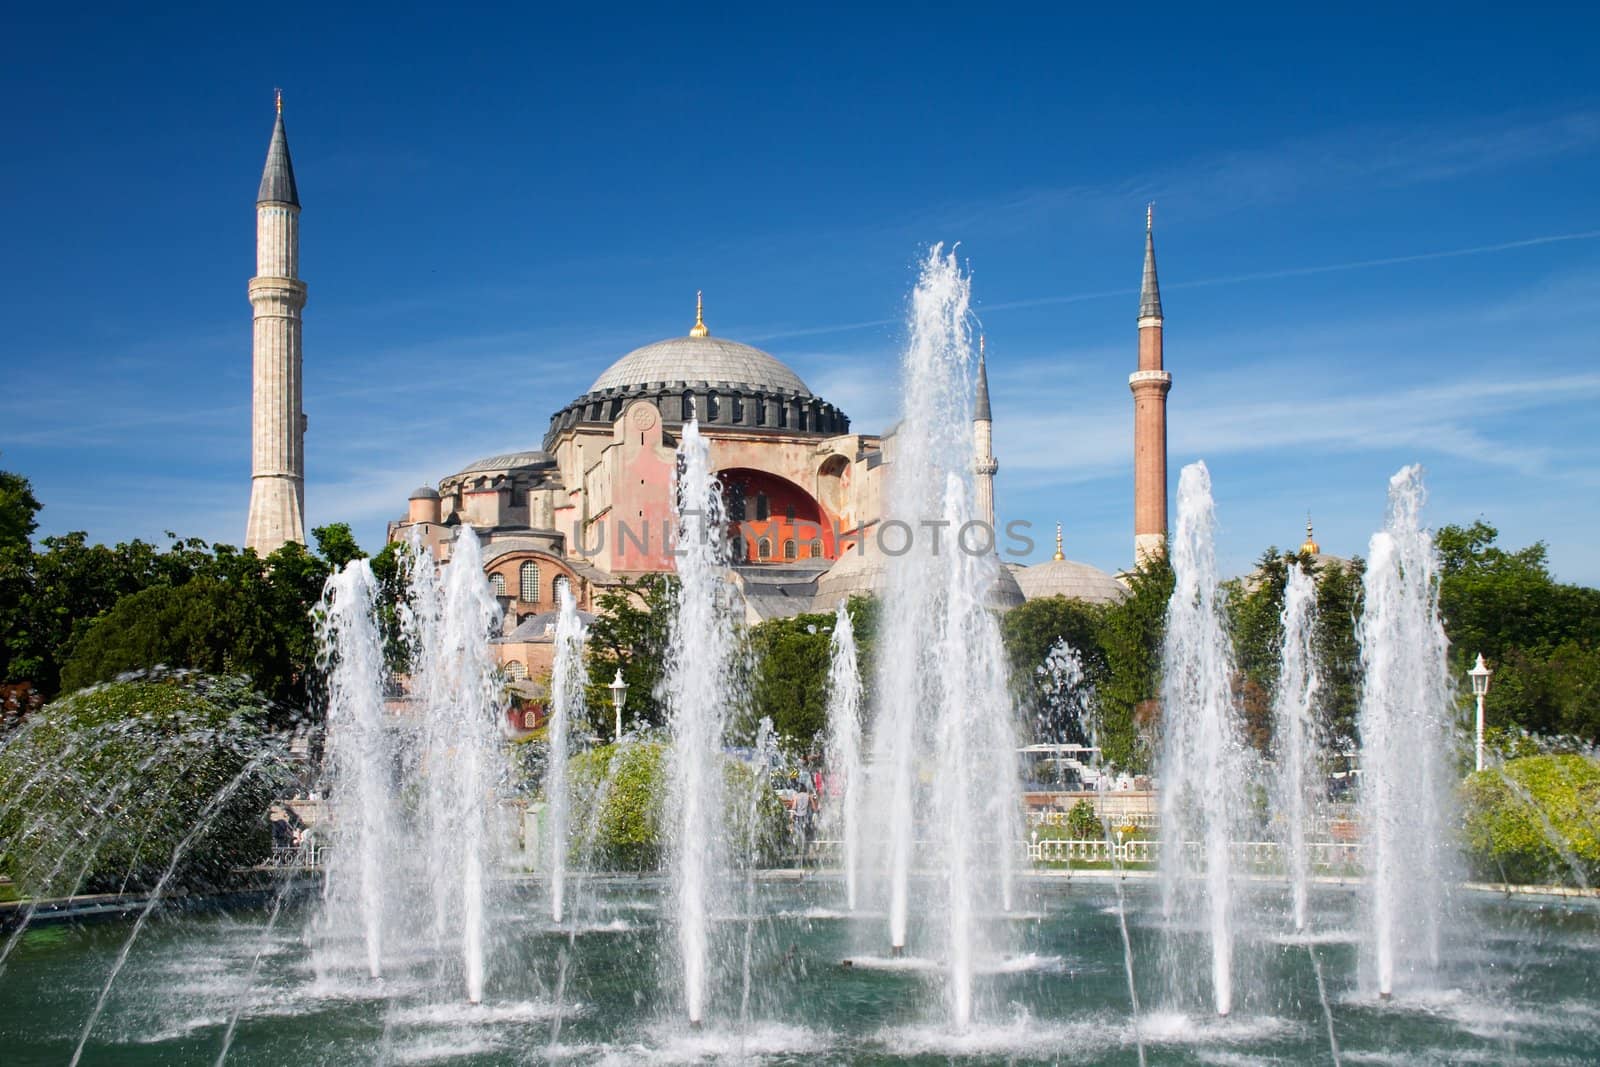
(1525, 991)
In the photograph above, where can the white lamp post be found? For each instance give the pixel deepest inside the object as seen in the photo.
(1480, 685)
(619, 697)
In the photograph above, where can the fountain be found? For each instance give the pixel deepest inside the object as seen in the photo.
(943, 704)
(1295, 727)
(843, 752)
(431, 941)
(1407, 708)
(697, 689)
(566, 708)
(1201, 766)
(360, 757)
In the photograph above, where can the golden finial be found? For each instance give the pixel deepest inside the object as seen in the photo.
(1059, 554)
(699, 329)
(1310, 547)
(279, 94)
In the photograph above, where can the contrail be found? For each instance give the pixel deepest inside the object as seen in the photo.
(1229, 279)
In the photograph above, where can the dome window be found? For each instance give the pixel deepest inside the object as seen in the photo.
(530, 582)
(816, 548)
(790, 550)
(763, 508)
(763, 549)
(561, 582)
(497, 582)
(688, 405)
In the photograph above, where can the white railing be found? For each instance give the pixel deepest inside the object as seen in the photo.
(1269, 855)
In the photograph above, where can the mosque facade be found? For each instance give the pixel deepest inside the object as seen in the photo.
(805, 491)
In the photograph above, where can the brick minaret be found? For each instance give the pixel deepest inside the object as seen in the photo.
(1150, 384)
(983, 441)
(277, 424)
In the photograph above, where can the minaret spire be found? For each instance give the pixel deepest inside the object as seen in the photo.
(1150, 385)
(1060, 555)
(277, 421)
(1149, 291)
(699, 327)
(985, 464)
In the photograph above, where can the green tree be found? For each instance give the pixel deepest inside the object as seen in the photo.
(1538, 634)
(1533, 820)
(19, 510)
(1131, 642)
(336, 544)
(630, 632)
(130, 769)
(1030, 631)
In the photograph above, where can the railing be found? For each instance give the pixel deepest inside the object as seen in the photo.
(306, 856)
(1248, 855)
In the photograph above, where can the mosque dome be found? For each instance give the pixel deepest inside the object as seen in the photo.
(866, 573)
(426, 492)
(700, 359)
(712, 379)
(1071, 579)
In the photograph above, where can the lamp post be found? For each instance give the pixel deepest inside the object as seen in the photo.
(619, 697)
(1480, 686)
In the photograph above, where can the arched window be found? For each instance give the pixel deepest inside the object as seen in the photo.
(763, 549)
(736, 406)
(713, 406)
(688, 405)
(561, 582)
(530, 582)
(497, 582)
(763, 509)
(789, 549)
(517, 670)
(816, 548)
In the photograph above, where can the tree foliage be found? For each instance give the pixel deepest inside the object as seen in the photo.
(1535, 820)
(1541, 637)
(103, 786)
(618, 803)
(630, 633)
(792, 660)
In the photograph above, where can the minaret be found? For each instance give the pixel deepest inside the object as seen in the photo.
(983, 441)
(277, 424)
(1150, 384)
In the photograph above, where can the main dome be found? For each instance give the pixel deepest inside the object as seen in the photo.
(700, 359)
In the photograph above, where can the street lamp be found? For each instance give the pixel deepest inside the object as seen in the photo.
(619, 697)
(1480, 685)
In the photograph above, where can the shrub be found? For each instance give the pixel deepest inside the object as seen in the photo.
(1083, 824)
(618, 797)
(103, 786)
(1535, 819)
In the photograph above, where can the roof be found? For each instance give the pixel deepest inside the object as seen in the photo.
(980, 407)
(277, 177)
(1149, 291)
(540, 627)
(510, 461)
(1071, 579)
(700, 359)
(426, 492)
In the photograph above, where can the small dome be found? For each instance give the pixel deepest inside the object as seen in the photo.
(700, 359)
(425, 493)
(510, 461)
(1071, 579)
(857, 573)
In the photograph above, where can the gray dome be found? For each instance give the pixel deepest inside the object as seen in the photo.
(1071, 579)
(425, 493)
(510, 461)
(857, 573)
(699, 359)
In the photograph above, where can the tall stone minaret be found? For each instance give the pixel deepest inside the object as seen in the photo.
(983, 441)
(277, 424)
(1150, 384)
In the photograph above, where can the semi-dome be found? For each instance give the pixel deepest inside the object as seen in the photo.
(700, 359)
(1071, 579)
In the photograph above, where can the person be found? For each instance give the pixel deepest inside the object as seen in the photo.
(802, 818)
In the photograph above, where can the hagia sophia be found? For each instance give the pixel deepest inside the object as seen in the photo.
(593, 504)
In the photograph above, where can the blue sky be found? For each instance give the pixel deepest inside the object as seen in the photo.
(1377, 233)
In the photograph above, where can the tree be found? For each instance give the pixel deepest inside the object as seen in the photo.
(630, 633)
(336, 544)
(1031, 631)
(19, 510)
(1538, 634)
(1131, 639)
